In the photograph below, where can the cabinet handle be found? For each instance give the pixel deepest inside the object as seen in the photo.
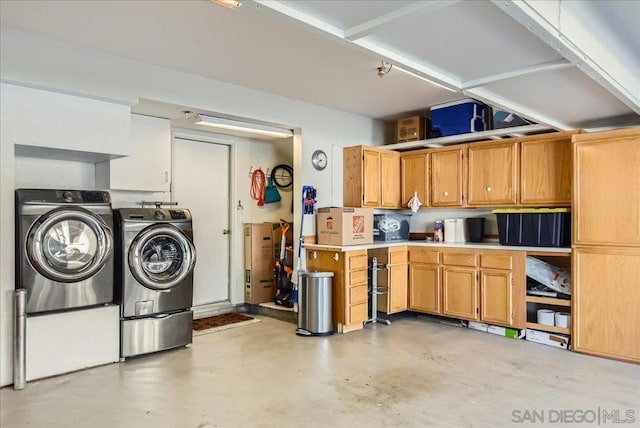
(166, 176)
(488, 189)
(445, 193)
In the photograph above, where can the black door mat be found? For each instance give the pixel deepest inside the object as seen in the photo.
(219, 321)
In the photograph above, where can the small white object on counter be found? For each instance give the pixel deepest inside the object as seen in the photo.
(450, 230)
(461, 230)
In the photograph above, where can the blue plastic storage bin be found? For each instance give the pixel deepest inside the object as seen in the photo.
(458, 117)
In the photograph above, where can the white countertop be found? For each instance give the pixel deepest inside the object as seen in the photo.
(468, 245)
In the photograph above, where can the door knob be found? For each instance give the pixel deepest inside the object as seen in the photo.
(226, 232)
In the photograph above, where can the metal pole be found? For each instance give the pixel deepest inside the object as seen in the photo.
(19, 340)
(374, 294)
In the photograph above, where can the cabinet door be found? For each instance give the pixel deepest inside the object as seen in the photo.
(460, 292)
(424, 288)
(371, 178)
(415, 178)
(397, 297)
(148, 168)
(606, 210)
(545, 172)
(389, 180)
(325, 261)
(496, 291)
(606, 298)
(447, 178)
(493, 174)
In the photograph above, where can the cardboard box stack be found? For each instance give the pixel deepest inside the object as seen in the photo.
(344, 226)
(259, 261)
(412, 128)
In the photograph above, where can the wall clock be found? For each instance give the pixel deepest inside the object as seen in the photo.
(319, 160)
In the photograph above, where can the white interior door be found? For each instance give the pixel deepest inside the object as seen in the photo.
(201, 184)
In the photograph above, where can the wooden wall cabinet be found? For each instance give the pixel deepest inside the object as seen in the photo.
(394, 278)
(371, 177)
(414, 171)
(493, 173)
(350, 295)
(606, 243)
(545, 170)
(447, 176)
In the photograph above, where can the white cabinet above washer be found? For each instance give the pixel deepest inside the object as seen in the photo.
(52, 125)
(149, 167)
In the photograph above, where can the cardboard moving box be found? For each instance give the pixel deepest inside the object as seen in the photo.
(344, 226)
(258, 263)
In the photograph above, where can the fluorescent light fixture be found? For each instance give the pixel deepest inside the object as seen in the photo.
(411, 73)
(234, 125)
(231, 4)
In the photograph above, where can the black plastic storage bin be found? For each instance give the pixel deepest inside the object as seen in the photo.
(535, 227)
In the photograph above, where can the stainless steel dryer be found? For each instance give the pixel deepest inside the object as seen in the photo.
(64, 246)
(154, 261)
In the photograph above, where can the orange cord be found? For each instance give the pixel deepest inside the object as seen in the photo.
(258, 184)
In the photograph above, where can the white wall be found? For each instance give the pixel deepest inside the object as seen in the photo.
(53, 174)
(50, 64)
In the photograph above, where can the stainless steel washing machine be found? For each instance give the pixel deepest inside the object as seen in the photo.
(64, 248)
(154, 261)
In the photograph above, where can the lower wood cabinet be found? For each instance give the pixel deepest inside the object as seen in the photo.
(479, 285)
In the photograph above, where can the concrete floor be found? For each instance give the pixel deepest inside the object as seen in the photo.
(412, 373)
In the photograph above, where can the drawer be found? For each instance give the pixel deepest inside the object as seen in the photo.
(423, 255)
(460, 258)
(358, 262)
(398, 256)
(357, 314)
(358, 277)
(358, 294)
(496, 261)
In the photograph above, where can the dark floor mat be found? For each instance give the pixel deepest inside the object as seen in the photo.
(219, 320)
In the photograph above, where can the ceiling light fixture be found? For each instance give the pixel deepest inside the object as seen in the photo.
(411, 73)
(231, 4)
(234, 125)
(384, 69)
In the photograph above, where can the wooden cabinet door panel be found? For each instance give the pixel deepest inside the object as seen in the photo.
(606, 192)
(357, 314)
(371, 178)
(496, 290)
(424, 288)
(460, 258)
(493, 173)
(357, 294)
(447, 178)
(389, 180)
(423, 255)
(606, 299)
(545, 172)
(397, 296)
(415, 178)
(460, 292)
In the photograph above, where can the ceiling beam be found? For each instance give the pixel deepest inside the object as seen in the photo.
(582, 43)
(417, 8)
(298, 17)
(538, 68)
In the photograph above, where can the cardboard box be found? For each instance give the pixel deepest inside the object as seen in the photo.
(344, 226)
(512, 333)
(259, 263)
(259, 285)
(412, 128)
(551, 339)
(478, 326)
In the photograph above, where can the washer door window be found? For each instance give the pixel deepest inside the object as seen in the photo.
(161, 257)
(69, 245)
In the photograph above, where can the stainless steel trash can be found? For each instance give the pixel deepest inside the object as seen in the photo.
(314, 303)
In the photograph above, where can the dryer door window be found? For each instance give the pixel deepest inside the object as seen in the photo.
(161, 257)
(69, 245)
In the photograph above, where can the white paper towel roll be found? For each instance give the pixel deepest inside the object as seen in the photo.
(461, 230)
(563, 319)
(546, 317)
(450, 230)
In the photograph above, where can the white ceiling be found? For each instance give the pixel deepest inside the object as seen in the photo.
(327, 52)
